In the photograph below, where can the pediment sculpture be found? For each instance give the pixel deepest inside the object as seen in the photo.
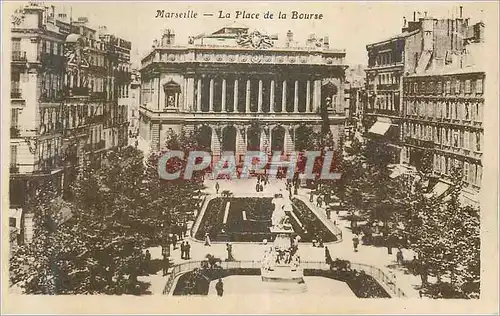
(255, 39)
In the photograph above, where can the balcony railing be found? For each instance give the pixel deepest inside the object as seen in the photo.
(48, 163)
(15, 93)
(100, 145)
(419, 142)
(14, 169)
(79, 91)
(98, 95)
(14, 132)
(18, 56)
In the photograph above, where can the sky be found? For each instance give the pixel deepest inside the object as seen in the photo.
(349, 25)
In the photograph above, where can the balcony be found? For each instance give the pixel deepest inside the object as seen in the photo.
(100, 145)
(14, 132)
(428, 144)
(15, 93)
(48, 164)
(96, 119)
(52, 61)
(18, 56)
(13, 169)
(98, 95)
(79, 92)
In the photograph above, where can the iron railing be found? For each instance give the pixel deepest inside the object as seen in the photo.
(380, 276)
(18, 56)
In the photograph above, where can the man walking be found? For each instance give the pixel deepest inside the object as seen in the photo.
(187, 250)
(355, 242)
(207, 240)
(399, 257)
(147, 263)
(219, 287)
(183, 250)
(217, 187)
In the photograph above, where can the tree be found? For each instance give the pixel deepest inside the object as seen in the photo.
(445, 233)
(99, 249)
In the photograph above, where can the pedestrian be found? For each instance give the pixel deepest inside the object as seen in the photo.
(207, 240)
(261, 188)
(328, 257)
(187, 248)
(219, 287)
(217, 187)
(424, 272)
(399, 257)
(311, 196)
(328, 213)
(174, 241)
(355, 242)
(183, 250)
(184, 229)
(229, 249)
(147, 260)
(415, 265)
(166, 263)
(319, 201)
(257, 187)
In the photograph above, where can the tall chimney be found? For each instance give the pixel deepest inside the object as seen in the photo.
(414, 16)
(461, 11)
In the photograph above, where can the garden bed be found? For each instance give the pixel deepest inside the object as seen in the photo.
(249, 220)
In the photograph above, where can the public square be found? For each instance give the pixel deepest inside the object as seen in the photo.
(253, 251)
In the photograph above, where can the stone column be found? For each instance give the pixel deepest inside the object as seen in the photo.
(211, 101)
(296, 97)
(247, 103)
(271, 97)
(236, 109)
(198, 96)
(308, 96)
(259, 102)
(224, 109)
(316, 95)
(283, 98)
(190, 94)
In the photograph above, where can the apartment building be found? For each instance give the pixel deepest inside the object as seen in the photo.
(65, 83)
(390, 61)
(442, 123)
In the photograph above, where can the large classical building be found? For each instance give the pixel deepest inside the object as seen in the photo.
(242, 89)
(67, 85)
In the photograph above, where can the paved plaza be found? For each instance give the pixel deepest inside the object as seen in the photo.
(371, 255)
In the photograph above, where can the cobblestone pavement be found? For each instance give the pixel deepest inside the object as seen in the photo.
(375, 256)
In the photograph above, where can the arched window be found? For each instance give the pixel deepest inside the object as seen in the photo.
(329, 95)
(172, 93)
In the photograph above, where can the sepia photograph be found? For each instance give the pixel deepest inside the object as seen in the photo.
(252, 156)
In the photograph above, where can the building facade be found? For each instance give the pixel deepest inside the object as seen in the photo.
(133, 107)
(392, 60)
(65, 80)
(244, 90)
(442, 126)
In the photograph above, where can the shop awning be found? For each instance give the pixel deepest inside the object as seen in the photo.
(380, 128)
(440, 188)
(17, 214)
